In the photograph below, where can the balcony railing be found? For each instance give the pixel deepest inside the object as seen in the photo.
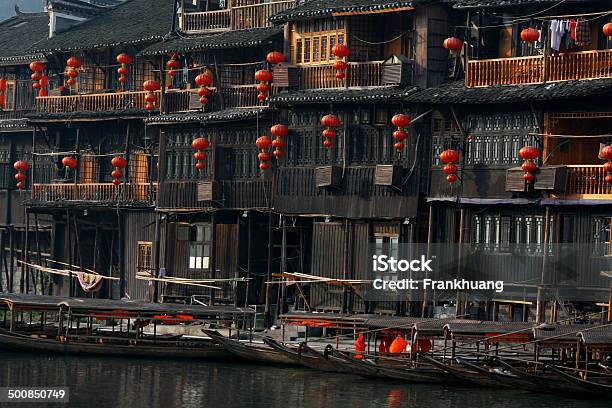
(358, 74)
(530, 70)
(241, 15)
(587, 182)
(176, 101)
(100, 192)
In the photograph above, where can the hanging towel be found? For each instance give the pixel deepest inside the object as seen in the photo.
(583, 33)
(556, 34)
(573, 29)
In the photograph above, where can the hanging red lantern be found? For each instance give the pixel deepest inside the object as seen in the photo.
(400, 135)
(151, 87)
(69, 162)
(263, 88)
(116, 182)
(21, 167)
(119, 161)
(263, 144)
(264, 77)
(37, 66)
(607, 29)
(449, 157)
(530, 35)
(401, 121)
(200, 144)
(278, 131)
(329, 121)
(606, 154)
(2, 94)
(117, 174)
(341, 52)
(203, 80)
(172, 65)
(607, 167)
(275, 57)
(74, 62)
(529, 167)
(608, 179)
(529, 152)
(529, 177)
(453, 44)
(36, 76)
(123, 71)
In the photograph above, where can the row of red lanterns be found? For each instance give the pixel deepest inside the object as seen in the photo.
(341, 52)
(203, 80)
(123, 71)
(21, 167)
(401, 121)
(264, 76)
(606, 154)
(119, 163)
(39, 80)
(263, 143)
(529, 154)
(72, 65)
(450, 157)
(151, 87)
(172, 65)
(330, 122)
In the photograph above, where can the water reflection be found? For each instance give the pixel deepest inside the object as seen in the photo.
(133, 383)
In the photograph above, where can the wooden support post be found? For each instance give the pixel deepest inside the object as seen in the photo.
(248, 282)
(459, 312)
(156, 257)
(40, 276)
(120, 242)
(430, 238)
(283, 266)
(213, 252)
(11, 285)
(541, 298)
(68, 245)
(1, 259)
(267, 317)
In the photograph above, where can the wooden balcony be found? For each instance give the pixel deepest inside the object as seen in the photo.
(237, 194)
(531, 70)
(587, 182)
(96, 192)
(242, 14)
(176, 101)
(359, 74)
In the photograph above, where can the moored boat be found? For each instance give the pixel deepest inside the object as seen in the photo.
(302, 356)
(252, 351)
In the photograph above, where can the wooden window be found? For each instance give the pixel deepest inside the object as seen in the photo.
(86, 169)
(144, 257)
(313, 40)
(602, 236)
(507, 233)
(199, 246)
(11, 91)
(138, 167)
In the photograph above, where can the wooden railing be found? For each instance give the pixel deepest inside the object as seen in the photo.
(358, 74)
(530, 70)
(256, 15)
(241, 15)
(101, 192)
(209, 21)
(247, 193)
(177, 100)
(587, 182)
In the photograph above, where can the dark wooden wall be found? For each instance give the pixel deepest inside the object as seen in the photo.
(139, 226)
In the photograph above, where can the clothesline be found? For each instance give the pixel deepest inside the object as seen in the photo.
(547, 18)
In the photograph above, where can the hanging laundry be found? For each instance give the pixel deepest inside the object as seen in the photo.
(556, 34)
(573, 29)
(583, 33)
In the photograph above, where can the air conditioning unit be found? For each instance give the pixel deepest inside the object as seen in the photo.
(328, 176)
(209, 191)
(551, 178)
(515, 181)
(388, 175)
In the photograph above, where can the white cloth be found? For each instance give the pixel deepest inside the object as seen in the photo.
(557, 30)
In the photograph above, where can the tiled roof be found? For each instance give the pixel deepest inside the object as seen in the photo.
(463, 4)
(68, 116)
(457, 93)
(135, 21)
(17, 32)
(10, 124)
(598, 335)
(230, 114)
(373, 94)
(322, 8)
(231, 39)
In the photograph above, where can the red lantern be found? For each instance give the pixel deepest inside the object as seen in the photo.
(400, 135)
(340, 50)
(340, 75)
(71, 82)
(263, 88)
(37, 66)
(173, 64)
(263, 75)
(36, 85)
(199, 155)
(608, 179)
(20, 185)
(122, 80)
(263, 156)
(123, 71)
(36, 76)
(450, 169)
(529, 167)
(20, 176)
(203, 100)
(278, 143)
(200, 143)
(275, 57)
(530, 35)
(529, 152)
(200, 166)
(203, 91)
(340, 65)
(119, 161)
(607, 167)
(69, 162)
(116, 174)
(150, 98)
(21, 165)
(399, 146)
(449, 156)
(529, 177)
(327, 144)
(453, 44)
(124, 59)
(74, 62)
(329, 133)
(607, 29)
(203, 79)
(451, 178)
(279, 130)
(116, 182)
(262, 97)
(151, 85)
(400, 120)
(72, 73)
(606, 152)
(263, 142)
(330, 121)
(264, 166)
(278, 153)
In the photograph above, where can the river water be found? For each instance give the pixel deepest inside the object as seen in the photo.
(130, 383)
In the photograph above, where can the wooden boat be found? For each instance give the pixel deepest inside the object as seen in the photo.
(191, 348)
(257, 352)
(394, 371)
(463, 374)
(302, 356)
(503, 378)
(594, 388)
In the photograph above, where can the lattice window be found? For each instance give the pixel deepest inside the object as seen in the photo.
(10, 96)
(144, 259)
(602, 236)
(509, 233)
(313, 40)
(199, 246)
